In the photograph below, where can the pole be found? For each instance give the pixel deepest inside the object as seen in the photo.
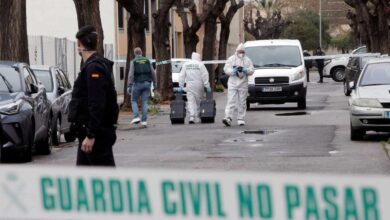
(320, 23)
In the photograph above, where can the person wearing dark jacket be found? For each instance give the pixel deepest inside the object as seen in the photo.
(93, 110)
(320, 64)
(308, 64)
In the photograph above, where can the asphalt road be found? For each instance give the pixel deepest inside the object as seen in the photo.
(277, 138)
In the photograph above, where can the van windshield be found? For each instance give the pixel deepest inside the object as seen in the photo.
(274, 56)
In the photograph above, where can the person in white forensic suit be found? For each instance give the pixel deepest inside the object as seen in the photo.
(196, 77)
(238, 67)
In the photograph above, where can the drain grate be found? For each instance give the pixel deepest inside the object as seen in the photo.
(292, 114)
(262, 132)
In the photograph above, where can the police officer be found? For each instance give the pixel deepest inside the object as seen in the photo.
(308, 64)
(141, 77)
(320, 64)
(93, 110)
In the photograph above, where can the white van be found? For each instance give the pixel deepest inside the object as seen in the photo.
(280, 74)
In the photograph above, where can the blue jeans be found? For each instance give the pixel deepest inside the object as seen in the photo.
(140, 89)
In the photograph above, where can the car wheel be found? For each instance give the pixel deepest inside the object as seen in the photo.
(338, 74)
(357, 134)
(45, 146)
(347, 91)
(56, 132)
(69, 137)
(302, 103)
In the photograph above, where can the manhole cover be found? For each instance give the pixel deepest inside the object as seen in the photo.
(262, 132)
(292, 114)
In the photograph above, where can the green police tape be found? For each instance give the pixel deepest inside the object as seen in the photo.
(80, 193)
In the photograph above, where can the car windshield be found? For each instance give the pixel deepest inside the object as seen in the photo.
(45, 77)
(360, 50)
(9, 80)
(176, 66)
(376, 74)
(274, 56)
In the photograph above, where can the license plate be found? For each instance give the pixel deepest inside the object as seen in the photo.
(272, 89)
(387, 114)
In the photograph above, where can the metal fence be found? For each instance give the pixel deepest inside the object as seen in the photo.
(61, 52)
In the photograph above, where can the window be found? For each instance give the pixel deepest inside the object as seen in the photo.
(274, 56)
(64, 80)
(10, 78)
(28, 79)
(45, 77)
(376, 74)
(120, 16)
(154, 6)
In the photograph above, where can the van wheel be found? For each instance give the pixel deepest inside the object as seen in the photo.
(357, 134)
(302, 103)
(338, 74)
(248, 105)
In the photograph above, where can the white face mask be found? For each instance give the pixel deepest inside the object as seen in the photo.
(240, 55)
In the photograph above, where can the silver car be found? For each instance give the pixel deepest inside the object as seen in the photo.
(370, 99)
(59, 92)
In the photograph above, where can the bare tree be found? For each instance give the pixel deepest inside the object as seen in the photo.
(13, 31)
(88, 13)
(268, 23)
(162, 46)
(371, 21)
(136, 25)
(191, 39)
(209, 40)
(226, 20)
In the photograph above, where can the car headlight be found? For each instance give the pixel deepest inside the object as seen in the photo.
(372, 103)
(299, 75)
(11, 109)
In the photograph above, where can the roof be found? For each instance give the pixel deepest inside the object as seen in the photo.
(272, 42)
(379, 60)
(8, 63)
(40, 67)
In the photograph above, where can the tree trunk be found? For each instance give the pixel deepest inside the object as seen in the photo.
(13, 31)
(136, 26)
(226, 20)
(210, 38)
(88, 13)
(191, 39)
(163, 51)
(209, 45)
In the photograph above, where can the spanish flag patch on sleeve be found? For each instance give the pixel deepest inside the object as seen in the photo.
(95, 75)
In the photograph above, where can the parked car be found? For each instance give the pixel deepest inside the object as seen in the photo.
(59, 92)
(335, 68)
(370, 99)
(176, 68)
(353, 70)
(24, 113)
(280, 74)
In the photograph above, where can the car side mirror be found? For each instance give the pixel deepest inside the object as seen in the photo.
(352, 85)
(61, 90)
(34, 88)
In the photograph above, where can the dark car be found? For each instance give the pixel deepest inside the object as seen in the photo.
(59, 92)
(24, 113)
(354, 68)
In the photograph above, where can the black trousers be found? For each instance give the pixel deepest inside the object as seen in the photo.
(320, 71)
(101, 154)
(307, 74)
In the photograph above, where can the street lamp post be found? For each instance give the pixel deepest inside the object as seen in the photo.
(320, 24)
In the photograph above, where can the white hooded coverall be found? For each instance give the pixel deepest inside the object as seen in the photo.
(196, 77)
(237, 87)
